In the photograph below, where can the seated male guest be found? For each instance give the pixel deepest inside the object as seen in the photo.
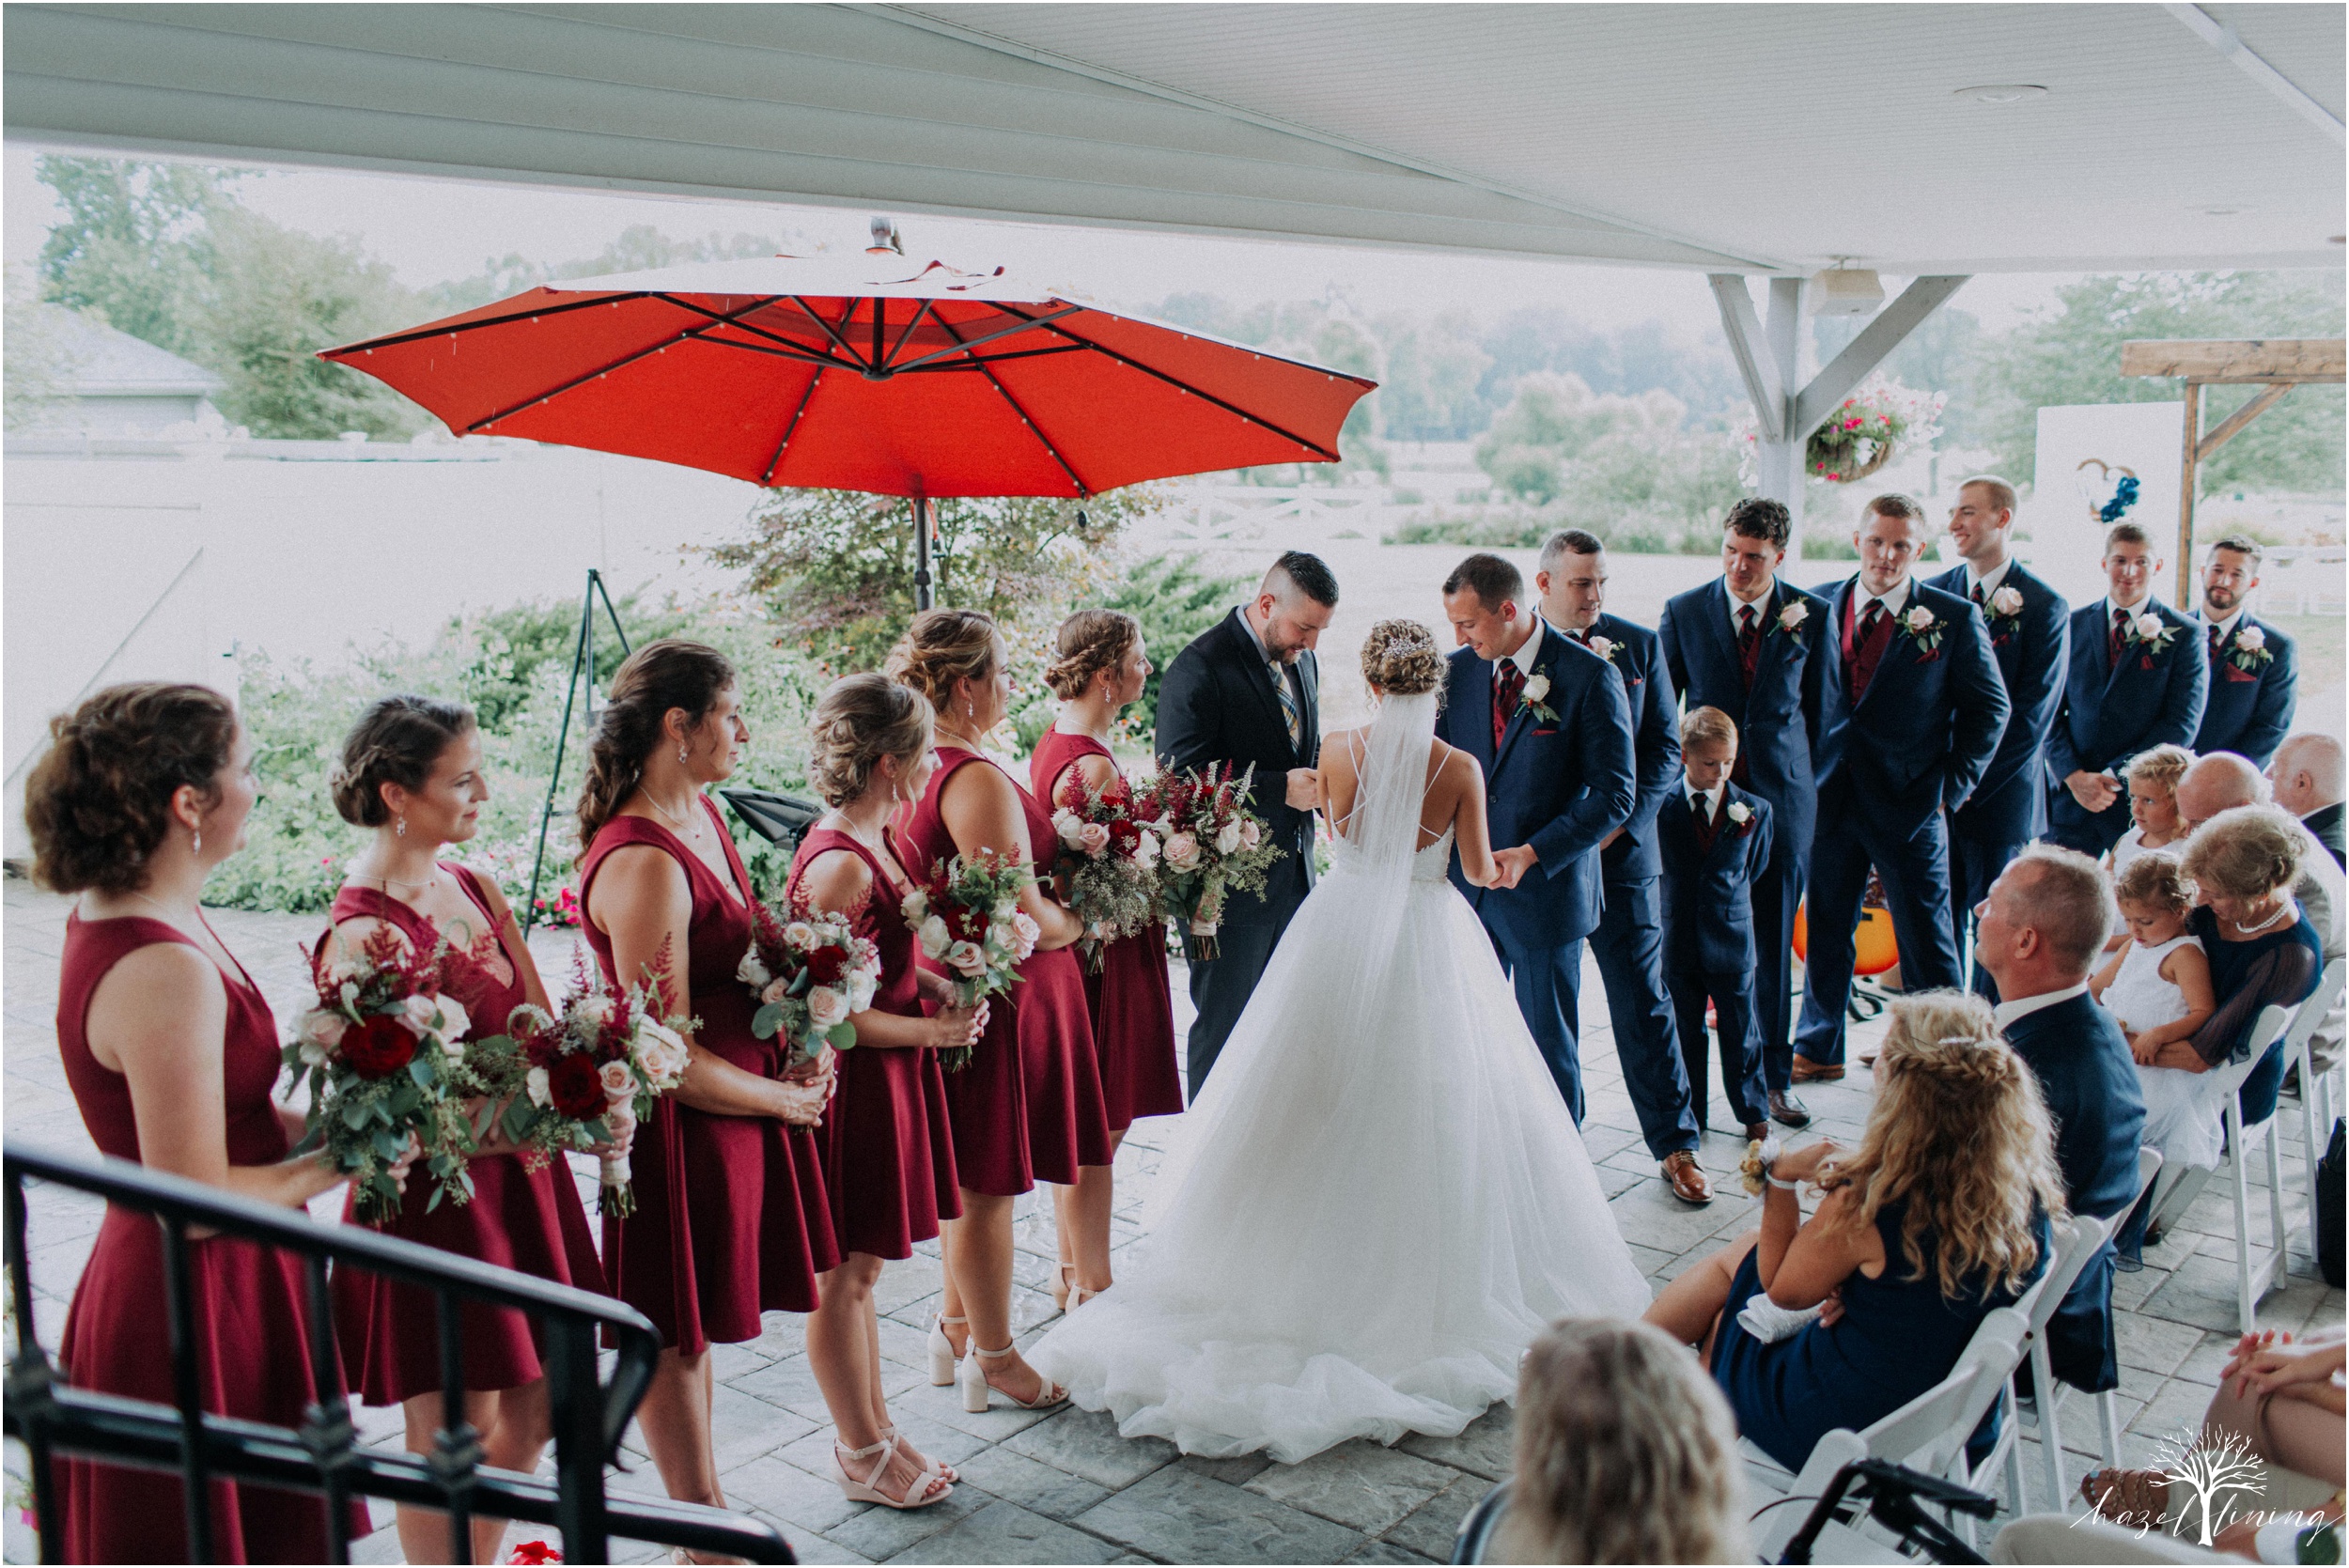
(2043, 928)
(1629, 941)
(2254, 668)
(1910, 721)
(2307, 777)
(2030, 637)
(1715, 841)
(2138, 677)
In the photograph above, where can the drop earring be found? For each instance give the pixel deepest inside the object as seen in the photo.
(198, 846)
(399, 827)
(681, 754)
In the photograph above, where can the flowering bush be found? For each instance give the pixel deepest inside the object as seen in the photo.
(1214, 846)
(1112, 854)
(382, 1054)
(966, 917)
(809, 971)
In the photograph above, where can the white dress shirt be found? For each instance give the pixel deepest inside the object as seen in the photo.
(2133, 610)
(1986, 584)
(1893, 602)
(1523, 658)
(2226, 628)
(2007, 1012)
(1759, 604)
(1711, 798)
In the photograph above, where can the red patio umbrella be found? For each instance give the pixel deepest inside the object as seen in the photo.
(864, 372)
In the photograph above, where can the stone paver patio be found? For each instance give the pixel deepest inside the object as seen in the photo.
(1066, 1487)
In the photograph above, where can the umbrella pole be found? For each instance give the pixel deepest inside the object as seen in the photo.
(921, 554)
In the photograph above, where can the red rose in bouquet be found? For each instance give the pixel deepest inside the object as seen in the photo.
(575, 1086)
(377, 1046)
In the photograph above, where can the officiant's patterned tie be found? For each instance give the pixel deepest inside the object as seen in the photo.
(1290, 712)
(1748, 643)
(1508, 685)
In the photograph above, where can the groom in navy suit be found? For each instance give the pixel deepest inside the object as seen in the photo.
(2138, 677)
(1548, 720)
(2030, 631)
(1913, 716)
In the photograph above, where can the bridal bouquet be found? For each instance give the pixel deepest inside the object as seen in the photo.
(585, 1076)
(382, 1056)
(1214, 846)
(967, 918)
(1111, 849)
(809, 974)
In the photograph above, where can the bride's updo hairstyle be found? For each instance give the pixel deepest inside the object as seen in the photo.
(1626, 1452)
(1401, 658)
(941, 647)
(97, 803)
(671, 673)
(1091, 641)
(859, 720)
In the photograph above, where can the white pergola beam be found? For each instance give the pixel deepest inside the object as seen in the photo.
(1757, 365)
(1884, 331)
(2225, 40)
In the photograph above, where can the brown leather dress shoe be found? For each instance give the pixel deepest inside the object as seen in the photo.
(1686, 1178)
(1756, 1131)
(1786, 1111)
(1808, 1071)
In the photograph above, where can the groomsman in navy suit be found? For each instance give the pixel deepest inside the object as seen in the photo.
(2138, 676)
(1629, 941)
(1913, 716)
(1548, 720)
(1756, 648)
(2031, 631)
(2254, 668)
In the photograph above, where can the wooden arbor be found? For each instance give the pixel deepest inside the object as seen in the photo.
(2274, 364)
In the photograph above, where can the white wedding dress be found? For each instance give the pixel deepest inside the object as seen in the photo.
(1379, 1201)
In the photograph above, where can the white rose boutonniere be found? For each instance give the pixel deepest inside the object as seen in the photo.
(2151, 632)
(1922, 628)
(1740, 813)
(2248, 649)
(1603, 646)
(2007, 603)
(1790, 621)
(1536, 689)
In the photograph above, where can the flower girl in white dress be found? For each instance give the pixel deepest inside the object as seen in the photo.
(1379, 1201)
(2158, 989)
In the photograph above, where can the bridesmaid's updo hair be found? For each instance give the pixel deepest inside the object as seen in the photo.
(671, 673)
(944, 647)
(1400, 659)
(397, 740)
(97, 803)
(1091, 641)
(859, 720)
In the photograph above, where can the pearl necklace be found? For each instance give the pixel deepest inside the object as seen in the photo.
(2243, 930)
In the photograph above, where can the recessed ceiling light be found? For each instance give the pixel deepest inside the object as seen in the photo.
(2224, 211)
(2002, 92)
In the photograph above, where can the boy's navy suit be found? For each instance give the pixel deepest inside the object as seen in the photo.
(1709, 876)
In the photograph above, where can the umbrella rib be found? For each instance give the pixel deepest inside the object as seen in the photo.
(1002, 392)
(1176, 381)
(837, 341)
(966, 344)
(697, 328)
(734, 321)
(977, 360)
(894, 348)
(420, 334)
(789, 430)
(793, 352)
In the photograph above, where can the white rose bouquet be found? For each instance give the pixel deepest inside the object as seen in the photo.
(384, 1056)
(1113, 855)
(1214, 846)
(809, 971)
(584, 1079)
(966, 918)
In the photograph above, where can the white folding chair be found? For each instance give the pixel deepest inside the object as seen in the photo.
(1927, 1433)
(2251, 1281)
(2076, 1240)
(2316, 1114)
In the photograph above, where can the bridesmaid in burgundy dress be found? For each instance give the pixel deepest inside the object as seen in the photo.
(171, 1053)
(411, 770)
(889, 1161)
(731, 1216)
(1102, 668)
(1029, 1105)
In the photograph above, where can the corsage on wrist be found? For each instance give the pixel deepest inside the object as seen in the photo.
(1753, 1171)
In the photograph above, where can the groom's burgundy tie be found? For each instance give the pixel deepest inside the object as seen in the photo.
(1508, 687)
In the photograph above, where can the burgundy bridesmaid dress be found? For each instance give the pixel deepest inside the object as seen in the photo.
(518, 1218)
(889, 1157)
(249, 1318)
(731, 1215)
(1134, 1008)
(1028, 1108)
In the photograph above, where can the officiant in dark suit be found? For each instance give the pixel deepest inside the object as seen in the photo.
(1247, 692)
(1548, 720)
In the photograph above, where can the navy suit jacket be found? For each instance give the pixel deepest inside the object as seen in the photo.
(1638, 656)
(2112, 712)
(2248, 711)
(1923, 735)
(1560, 785)
(2010, 805)
(1217, 704)
(1708, 895)
(1777, 721)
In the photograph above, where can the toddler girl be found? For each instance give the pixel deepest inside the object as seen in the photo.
(2158, 989)
(2151, 777)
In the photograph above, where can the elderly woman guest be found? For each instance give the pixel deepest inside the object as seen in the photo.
(1626, 1452)
(1939, 1217)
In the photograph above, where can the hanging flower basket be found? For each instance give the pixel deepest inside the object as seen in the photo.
(1876, 423)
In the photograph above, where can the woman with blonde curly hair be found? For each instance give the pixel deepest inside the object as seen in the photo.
(1101, 666)
(1626, 1452)
(1939, 1217)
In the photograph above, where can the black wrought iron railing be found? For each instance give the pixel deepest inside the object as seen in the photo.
(51, 1418)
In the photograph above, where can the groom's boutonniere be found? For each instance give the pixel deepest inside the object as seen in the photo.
(1924, 629)
(2152, 633)
(1536, 688)
(1790, 621)
(2248, 649)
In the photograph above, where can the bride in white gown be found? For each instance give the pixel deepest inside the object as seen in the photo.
(1379, 1199)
